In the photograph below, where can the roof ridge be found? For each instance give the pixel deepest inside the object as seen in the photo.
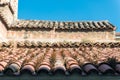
(27, 43)
(66, 25)
(63, 21)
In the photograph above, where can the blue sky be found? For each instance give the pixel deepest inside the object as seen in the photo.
(71, 10)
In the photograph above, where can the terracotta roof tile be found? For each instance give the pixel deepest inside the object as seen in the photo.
(35, 60)
(90, 68)
(105, 68)
(117, 68)
(85, 25)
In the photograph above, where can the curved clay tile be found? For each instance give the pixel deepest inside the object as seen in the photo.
(76, 44)
(29, 69)
(96, 25)
(86, 25)
(71, 25)
(40, 24)
(27, 43)
(34, 43)
(75, 68)
(90, 24)
(59, 62)
(90, 68)
(61, 24)
(6, 44)
(51, 24)
(25, 23)
(75, 25)
(3, 64)
(45, 24)
(35, 23)
(12, 69)
(21, 43)
(19, 62)
(107, 25)
(2, 68)
(44, 68)
(71, 62)
(31, 24)
(59, 69)
(105, 68)
(117, 67)
(45, 63)
(101, 24)
(38, 43)
(81, 25)
(48, 44)
(66, 26)
(30, 63)
(55, 24)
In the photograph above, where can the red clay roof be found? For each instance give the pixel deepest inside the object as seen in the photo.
(83, 58)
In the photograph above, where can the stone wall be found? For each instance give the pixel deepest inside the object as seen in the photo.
(14, 7)
(6, 14)
(3, 31)
(6, 19)
(62, 36)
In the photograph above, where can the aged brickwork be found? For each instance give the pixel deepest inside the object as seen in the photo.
(62, 36)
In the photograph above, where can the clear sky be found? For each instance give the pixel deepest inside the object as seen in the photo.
(71, 10)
